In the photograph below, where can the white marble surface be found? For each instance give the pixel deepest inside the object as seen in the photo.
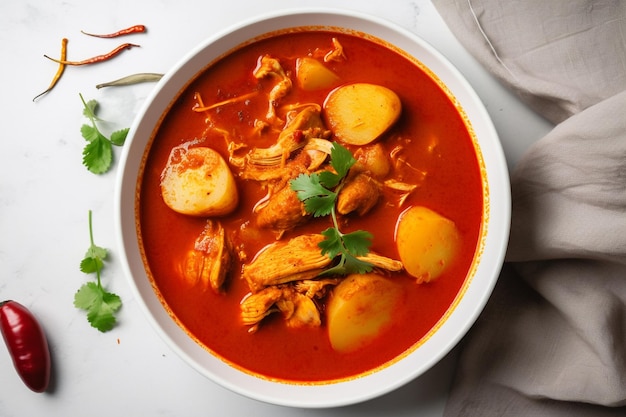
(45, 194)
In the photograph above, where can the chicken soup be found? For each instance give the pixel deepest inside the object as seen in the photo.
(310, 206)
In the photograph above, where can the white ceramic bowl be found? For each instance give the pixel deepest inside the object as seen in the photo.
(453, 327)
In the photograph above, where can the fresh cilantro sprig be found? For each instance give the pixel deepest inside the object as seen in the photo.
(98, 153)
(318, 192)
(100, 305)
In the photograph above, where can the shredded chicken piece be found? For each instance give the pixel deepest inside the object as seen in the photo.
(260, 126)
(267, 174)
(382, 262)
(255, 307)
(360, 194)
(270, 67)
(404, 189)
(310, 159)
(233, 159)
(315, 288)
(283, 211)
(209, 262)
(297, 309)
(317, 150)
(305, 124)
(399, 160)
(286, 261)
(335, 54)
(202, 108)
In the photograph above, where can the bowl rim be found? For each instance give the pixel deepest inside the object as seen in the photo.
(449, 332)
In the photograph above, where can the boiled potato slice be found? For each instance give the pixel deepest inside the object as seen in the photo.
(313, 75)
(359, 113)
(360, 308)
(198, 182)
(427, 242)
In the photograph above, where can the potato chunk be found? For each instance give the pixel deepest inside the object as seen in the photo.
(198, 182)
(313, 75)
(427, 242)
(359, 113)
(360, 309)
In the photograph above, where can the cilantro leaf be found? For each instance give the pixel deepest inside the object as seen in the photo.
(99, 304)
(321, 206)
(347, 247)
(329, 179)
(94, 260)
(87, 296)
(331, 245)
(90, 133)
(317, 199)
(308, 186)
(358, 242)
(89, 110)
(91, 265)
(348, 264)
(96, 252)
(98, 153)
(352, 265)
(341, 160)
(119, 137)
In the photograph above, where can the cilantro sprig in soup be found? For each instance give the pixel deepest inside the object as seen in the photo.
(310, 206)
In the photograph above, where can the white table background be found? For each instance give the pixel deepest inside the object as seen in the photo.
(45, 195)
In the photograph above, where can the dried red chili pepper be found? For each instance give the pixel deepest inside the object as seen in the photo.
(96, 59)
(27, 345)
(59, 72)
(127, 31)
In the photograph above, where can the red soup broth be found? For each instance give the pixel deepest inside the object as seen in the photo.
(437, 145)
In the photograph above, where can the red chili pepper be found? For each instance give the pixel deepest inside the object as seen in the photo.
(27, 345)
(127, 31)
(95, 59)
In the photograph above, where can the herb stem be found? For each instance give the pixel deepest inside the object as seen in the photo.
(340, 234)
(92, 245)
(333, 215)
(82, 99)
(93, 122)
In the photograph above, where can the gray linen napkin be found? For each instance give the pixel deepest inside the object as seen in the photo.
(552, 339)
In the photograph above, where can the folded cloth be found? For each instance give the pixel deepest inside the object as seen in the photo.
(552, 339)
(560, 56)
